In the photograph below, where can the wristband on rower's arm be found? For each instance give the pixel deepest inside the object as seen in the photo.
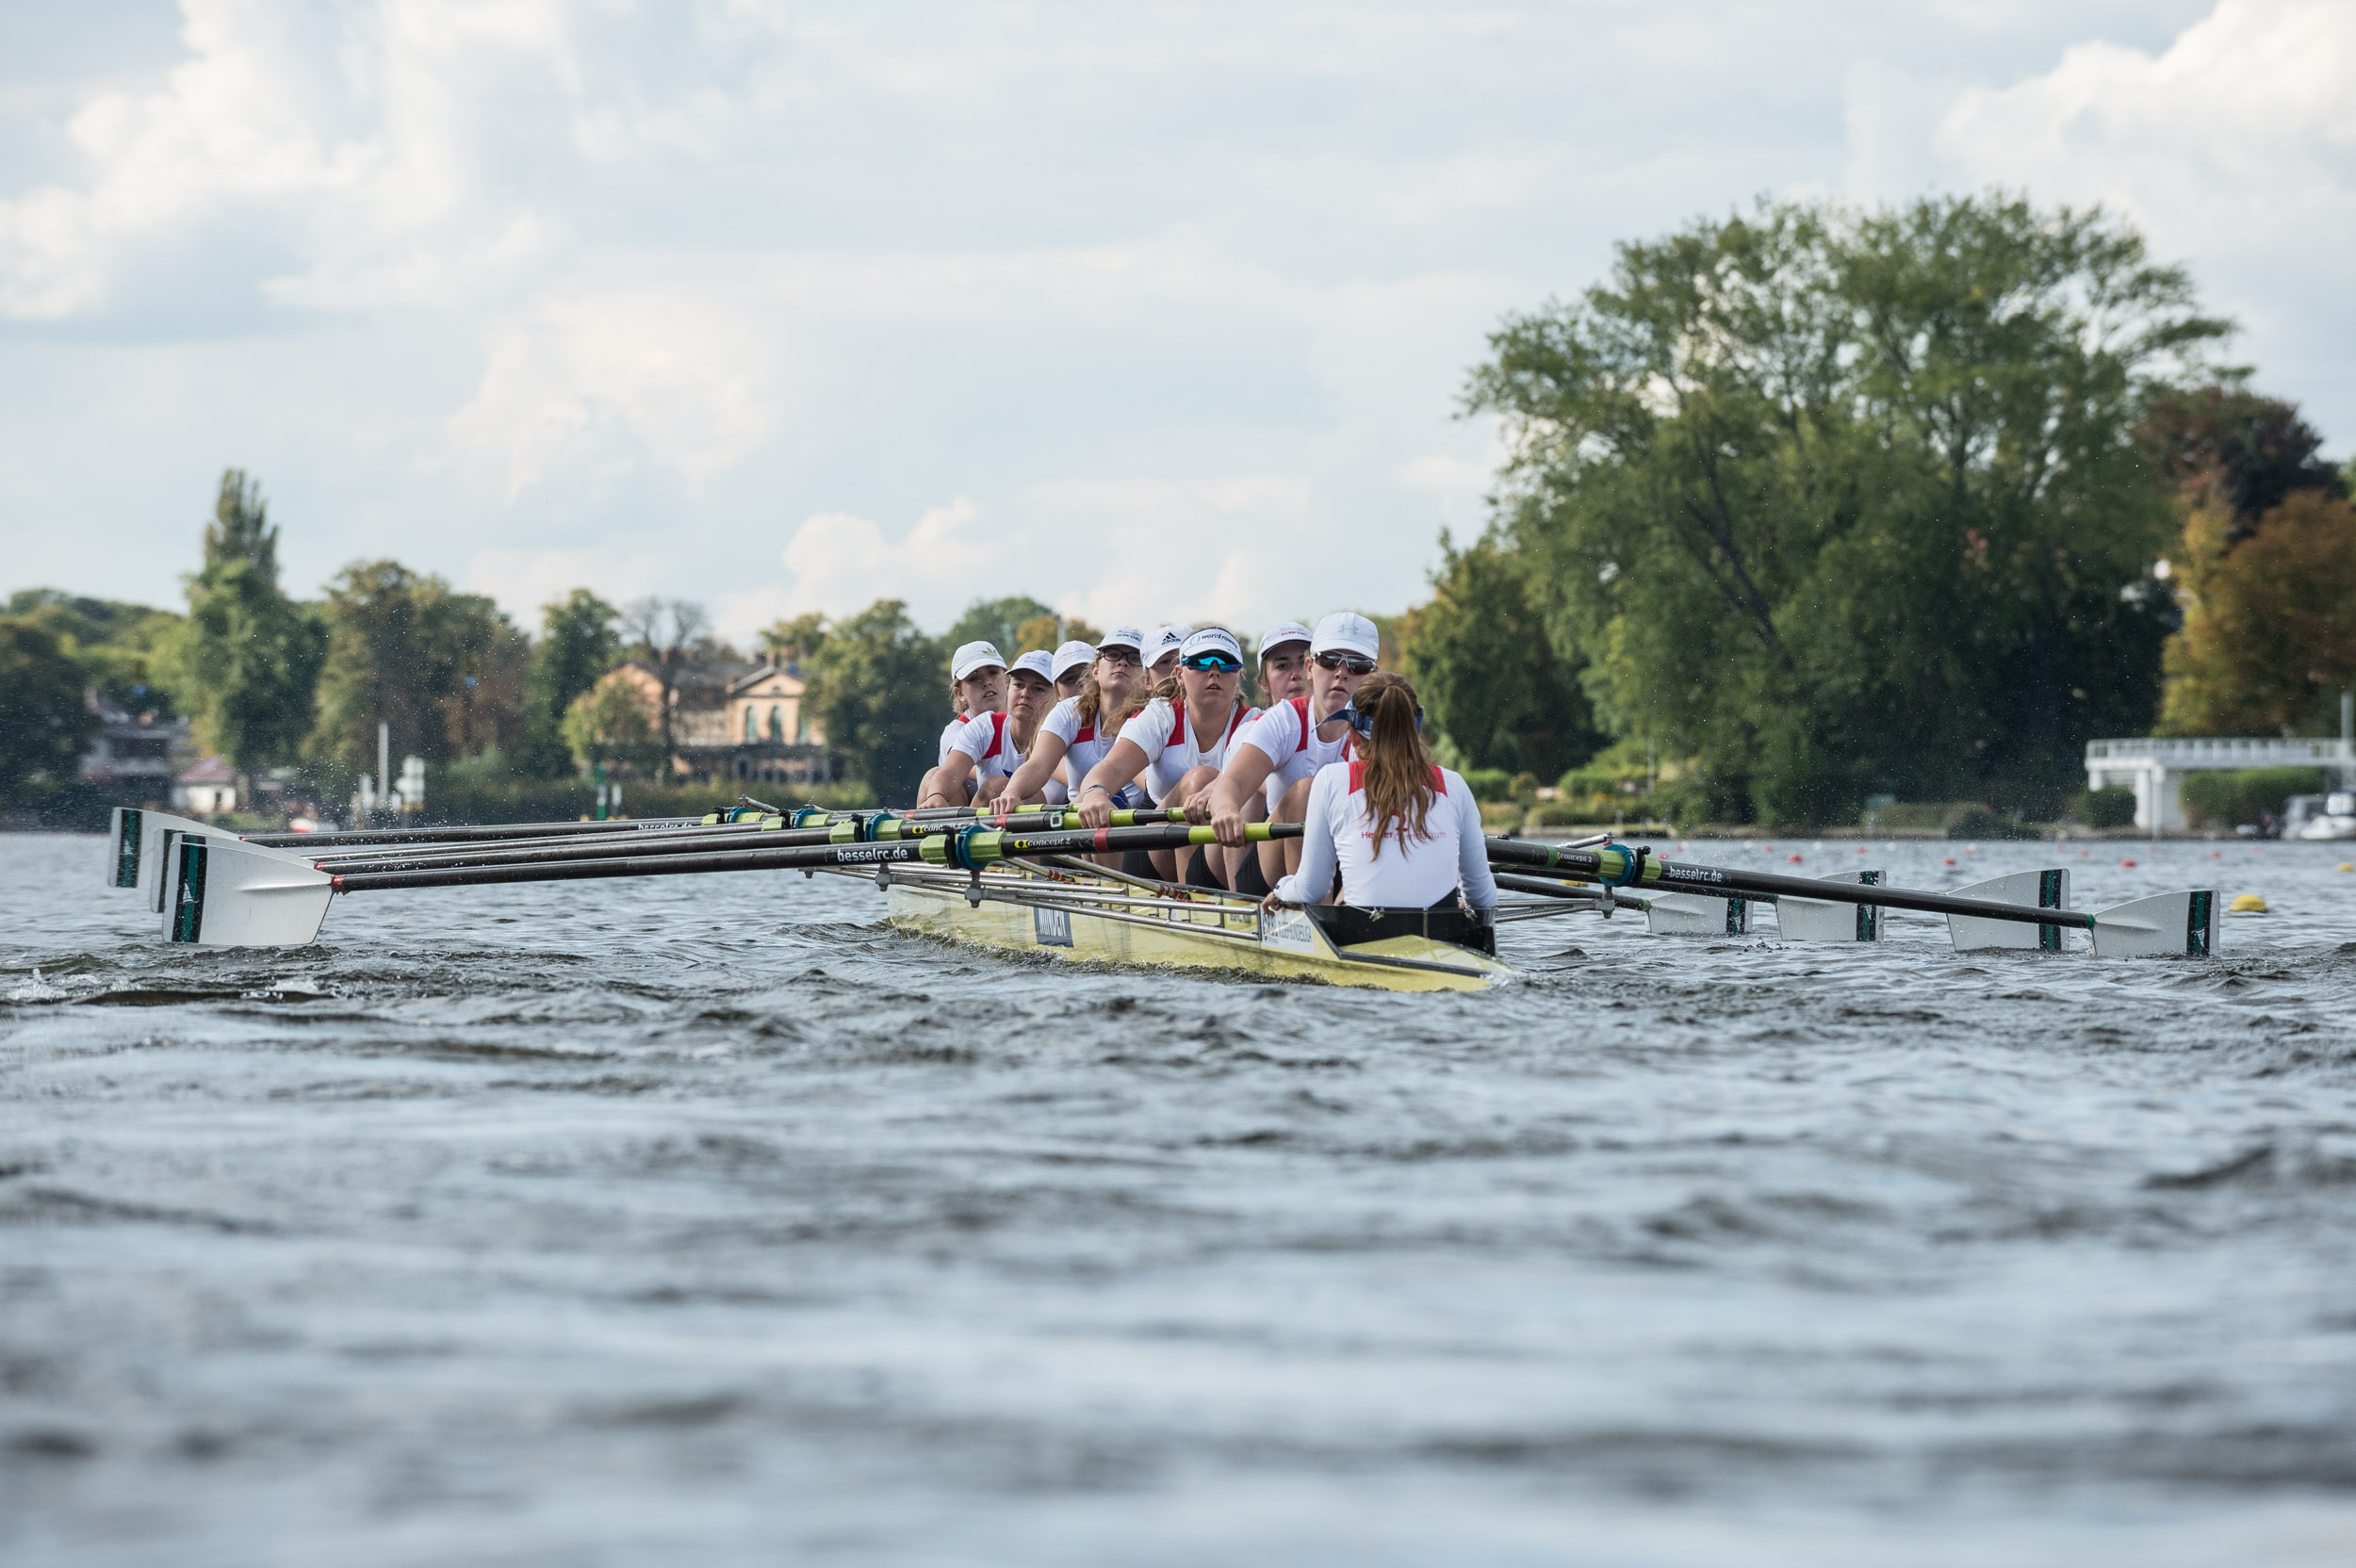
(1086, 788)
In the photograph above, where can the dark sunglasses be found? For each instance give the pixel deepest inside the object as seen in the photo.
(1364, 722)
(1219, 662)
(1349, 662)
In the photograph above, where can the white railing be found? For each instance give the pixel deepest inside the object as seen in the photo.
(2202, 755)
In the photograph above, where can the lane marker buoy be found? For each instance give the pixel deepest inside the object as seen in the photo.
(2248, 904)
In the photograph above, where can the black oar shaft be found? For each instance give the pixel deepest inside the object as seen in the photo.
(964, 850)
(745, 836)
(1612, 864)
(461, 835)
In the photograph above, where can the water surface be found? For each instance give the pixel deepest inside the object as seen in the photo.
(705, 1219)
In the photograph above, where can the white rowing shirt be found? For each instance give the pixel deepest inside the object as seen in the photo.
(1285, 737)
(1085, 745)
(1451, 855)
(1162, 733)
(988, 739)
(949, 736)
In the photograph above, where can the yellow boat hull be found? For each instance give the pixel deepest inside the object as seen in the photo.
(1171, 933)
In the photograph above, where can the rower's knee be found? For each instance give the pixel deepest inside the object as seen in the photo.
(1294, 807)
(1196, 778)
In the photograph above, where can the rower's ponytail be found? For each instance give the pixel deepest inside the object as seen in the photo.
(1397, 780)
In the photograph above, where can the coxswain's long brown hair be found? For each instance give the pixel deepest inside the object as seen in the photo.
(1397, 780)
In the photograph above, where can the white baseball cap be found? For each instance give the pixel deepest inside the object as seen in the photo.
(1039, 663)
(1211, 638)
(975, 656)
(1074, 655)
(1343, 632)
(1281, 633)
(1165, 639)
(1124, 637)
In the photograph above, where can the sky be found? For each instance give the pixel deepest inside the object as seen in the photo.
(1150, 312)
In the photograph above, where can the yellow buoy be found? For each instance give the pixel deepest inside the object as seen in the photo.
(2344, 866)
(2250, 903)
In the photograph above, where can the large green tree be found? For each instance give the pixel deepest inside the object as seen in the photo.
(123, 648)
(578, 644)
(878, 689)
(247, 660)
(44, 721)
(443, 669)
(1839, 504)
(1490, 677)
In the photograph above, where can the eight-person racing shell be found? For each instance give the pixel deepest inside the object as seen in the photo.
(1412, 872)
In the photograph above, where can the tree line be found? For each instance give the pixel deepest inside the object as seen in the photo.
(1808, 505)
(269, 680)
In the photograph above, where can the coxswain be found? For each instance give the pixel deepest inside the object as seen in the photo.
(1177, 743)
(1079, 731)
(977, 684)
(1271, 767)
(1403, 832)
(989, 748)
(1161, 654)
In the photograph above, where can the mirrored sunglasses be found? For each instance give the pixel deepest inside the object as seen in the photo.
(1354, 663)
(1219, 662)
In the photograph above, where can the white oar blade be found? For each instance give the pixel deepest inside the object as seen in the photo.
(1807, 920)
(2165, 925)
(2047, 888)
(224, 893)
(134, 836)
(1694, 915)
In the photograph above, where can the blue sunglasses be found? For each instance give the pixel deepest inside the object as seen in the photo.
(1219, 662)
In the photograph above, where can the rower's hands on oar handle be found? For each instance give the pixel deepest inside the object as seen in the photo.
(1094, 806)
(1227, 826)
(1198, 807)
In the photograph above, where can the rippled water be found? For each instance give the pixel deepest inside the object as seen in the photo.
(704, 1220)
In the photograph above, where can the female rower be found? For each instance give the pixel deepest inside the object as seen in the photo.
(1079, 731)
(1283, 663)
(1178, 744)
(1072, 668)
(977, 682)
(1269, 770)
(1161, 654)
(1403, 832)
(989, 748)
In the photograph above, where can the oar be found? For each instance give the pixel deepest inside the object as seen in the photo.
(220, 892)
(2177, 923)
(967, 849)
(734, 840)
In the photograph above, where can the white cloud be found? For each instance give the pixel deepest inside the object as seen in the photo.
(2230, 147)
(599, 383)
(838, 563)
(1178, 301)
(2237, 135)
(522, 580)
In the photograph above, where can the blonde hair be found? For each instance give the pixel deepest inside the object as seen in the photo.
(1396, 779)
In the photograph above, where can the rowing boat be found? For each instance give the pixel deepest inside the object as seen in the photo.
(1010, 882)
(1076, 916)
